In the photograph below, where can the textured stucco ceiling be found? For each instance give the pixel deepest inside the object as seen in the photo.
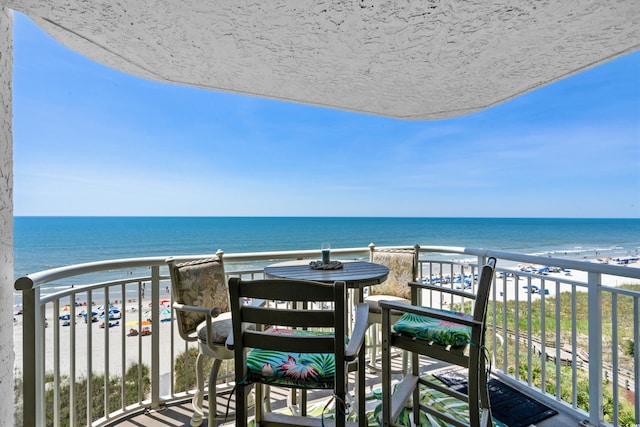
(415, 59)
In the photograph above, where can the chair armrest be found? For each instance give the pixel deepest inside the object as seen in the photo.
(428, 312)
(229, 342)
(212, 312)
(359, 330)
(431, 287)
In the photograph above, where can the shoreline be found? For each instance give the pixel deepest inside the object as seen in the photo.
(539, 283)
(603, 255)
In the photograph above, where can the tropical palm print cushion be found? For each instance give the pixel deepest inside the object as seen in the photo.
(438, 331)
(299, 370)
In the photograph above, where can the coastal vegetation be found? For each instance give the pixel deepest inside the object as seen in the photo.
(135, 375)
(625, 408)
(185, 372)
(533, 314)
(137, 385)
(573, 309)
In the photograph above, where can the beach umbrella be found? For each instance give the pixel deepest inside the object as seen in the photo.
(165, 315)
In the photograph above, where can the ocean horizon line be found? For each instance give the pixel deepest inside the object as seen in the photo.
(44, 242)
(327, 216)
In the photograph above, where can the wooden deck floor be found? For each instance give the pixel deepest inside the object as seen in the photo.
(179, 414)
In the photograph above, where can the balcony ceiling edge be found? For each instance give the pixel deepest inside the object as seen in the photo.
(418, 60)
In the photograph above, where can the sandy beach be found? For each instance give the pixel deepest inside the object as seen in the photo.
(508, 290)
(108, 343)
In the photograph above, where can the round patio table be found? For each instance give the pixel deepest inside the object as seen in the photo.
(356, 274)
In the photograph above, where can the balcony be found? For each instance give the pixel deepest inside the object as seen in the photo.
(564, 332)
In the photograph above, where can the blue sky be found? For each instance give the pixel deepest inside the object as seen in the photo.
(89, 140)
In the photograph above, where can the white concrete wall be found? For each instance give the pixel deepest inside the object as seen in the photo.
(6, 219)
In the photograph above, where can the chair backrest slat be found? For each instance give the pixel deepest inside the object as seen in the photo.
(292, 317)
(484, 286)
(297, 344)
(268, 338)
(331, 319)
(286, 290)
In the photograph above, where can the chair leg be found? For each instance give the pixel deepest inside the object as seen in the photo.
(374, 332)
(266, 400)
(474, 378)
(386, 375)
(293, 401)
(242, 409)
(303, 402)
(213, 398)
(373, 348)
(487, 417)
(340, 409)
(360, 384)
(415, 400)
(405, 363)
(196, 418)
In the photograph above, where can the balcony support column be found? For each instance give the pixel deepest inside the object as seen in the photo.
(596, 416)
(7, 356)
(155, 337)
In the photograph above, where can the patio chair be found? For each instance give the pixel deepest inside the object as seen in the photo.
(304, 347)
(201, 302)
(449, 336)
(403, 268)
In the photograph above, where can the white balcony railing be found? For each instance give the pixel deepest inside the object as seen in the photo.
(549, 332)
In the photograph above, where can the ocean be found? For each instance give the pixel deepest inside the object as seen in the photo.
(42, 243)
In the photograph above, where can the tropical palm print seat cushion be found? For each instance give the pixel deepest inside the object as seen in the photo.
(299, 370)
(438, 331)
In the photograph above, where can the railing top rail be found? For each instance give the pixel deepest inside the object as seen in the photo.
(33, 280)
(615, 270)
